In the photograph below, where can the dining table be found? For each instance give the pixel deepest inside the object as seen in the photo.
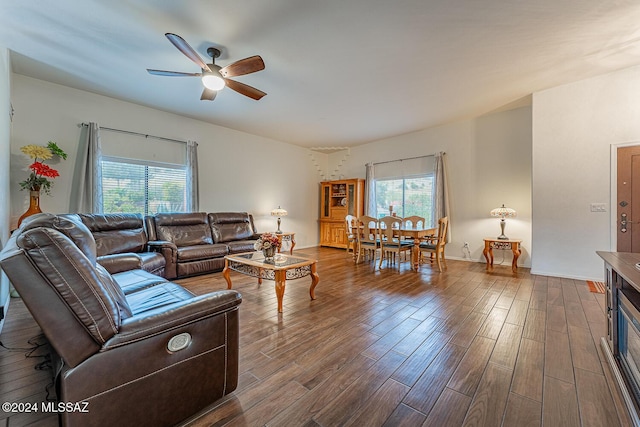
(417, 234)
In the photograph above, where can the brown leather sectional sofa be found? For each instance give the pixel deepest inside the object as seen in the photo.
(196, 243)
(138, 349)
(171, 245)
(122, 243)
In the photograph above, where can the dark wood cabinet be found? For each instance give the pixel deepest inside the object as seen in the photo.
(621, 346)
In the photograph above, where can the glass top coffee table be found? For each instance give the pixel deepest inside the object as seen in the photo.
(280, 268)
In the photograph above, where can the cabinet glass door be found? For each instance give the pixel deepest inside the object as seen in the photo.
(351, 198)
(326, 199)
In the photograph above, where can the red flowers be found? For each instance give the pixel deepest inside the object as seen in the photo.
(41, 169)
(40, 173)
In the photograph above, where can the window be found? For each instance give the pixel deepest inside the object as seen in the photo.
(134, 186)
(409, 196)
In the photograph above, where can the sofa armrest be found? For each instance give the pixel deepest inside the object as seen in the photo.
(117, 263)
(160, 320)
(158, 245)
(169, 251)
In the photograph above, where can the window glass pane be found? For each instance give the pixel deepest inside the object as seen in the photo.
(409, 196)
(135, 187)
(388, 192)
(418, 197)
(123, 187)
(167, 190)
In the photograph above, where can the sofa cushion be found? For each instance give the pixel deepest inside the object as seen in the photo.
(197, 252)
(157, 296)
(183, 229)
(241, 246)
(134, 280)
(116, 233)
(229, 226)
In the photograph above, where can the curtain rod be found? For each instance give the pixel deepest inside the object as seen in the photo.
(408, 158)
(139, 134)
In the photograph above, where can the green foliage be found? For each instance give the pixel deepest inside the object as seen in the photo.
(409, 196)
(53, 147)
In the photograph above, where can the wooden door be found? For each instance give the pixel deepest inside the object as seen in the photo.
(628, 209)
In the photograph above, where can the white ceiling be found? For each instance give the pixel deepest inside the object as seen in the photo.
(338, 72)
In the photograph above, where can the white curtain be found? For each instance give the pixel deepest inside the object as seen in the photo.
(370, 207)
(441, 208)
(193, 194)
(86, 190)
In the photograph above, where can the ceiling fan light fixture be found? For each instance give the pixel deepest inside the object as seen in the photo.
(213, 80)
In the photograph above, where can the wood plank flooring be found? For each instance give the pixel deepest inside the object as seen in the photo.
(391, 347)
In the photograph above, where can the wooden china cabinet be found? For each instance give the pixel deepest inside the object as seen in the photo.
(337, 200)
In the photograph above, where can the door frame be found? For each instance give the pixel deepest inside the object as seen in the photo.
(613, 202)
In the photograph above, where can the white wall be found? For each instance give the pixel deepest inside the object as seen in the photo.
(574, 128)
(549, 162)
(5, 137)
(238, 171)
(489, 163)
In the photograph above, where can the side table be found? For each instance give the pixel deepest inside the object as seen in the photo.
(286, 236)
(491, 243)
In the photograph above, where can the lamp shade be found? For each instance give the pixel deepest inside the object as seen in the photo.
(503, 212)
(213, 80)
(279, 212)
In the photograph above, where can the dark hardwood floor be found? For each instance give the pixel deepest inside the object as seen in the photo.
(392, 347)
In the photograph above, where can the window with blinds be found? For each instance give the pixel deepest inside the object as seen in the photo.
(136, 186)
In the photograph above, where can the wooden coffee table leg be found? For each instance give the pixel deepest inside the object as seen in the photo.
(226, 274)
(281, 276)
(314, 281)
(293, 243)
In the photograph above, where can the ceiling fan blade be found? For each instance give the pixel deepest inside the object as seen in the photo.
(172, 73)
(187, 50)
(208, 95)
(244, 89)
(244, 66)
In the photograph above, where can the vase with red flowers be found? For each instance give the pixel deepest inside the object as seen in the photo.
(40, 174)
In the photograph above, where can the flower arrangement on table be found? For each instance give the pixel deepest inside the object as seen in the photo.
(267, 241)
(41, 173)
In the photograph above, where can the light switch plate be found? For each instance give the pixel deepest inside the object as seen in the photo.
(598, 207)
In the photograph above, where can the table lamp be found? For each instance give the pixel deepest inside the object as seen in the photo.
(503, 212)
(279, 213)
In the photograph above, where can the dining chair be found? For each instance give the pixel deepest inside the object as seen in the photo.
(368, 239)
(350, 223)
(391, 241)
(435, 245)
(413, 221)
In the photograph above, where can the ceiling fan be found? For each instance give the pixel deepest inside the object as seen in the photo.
(214, 77)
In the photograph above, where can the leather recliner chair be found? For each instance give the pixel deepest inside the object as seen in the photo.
(155, 356)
